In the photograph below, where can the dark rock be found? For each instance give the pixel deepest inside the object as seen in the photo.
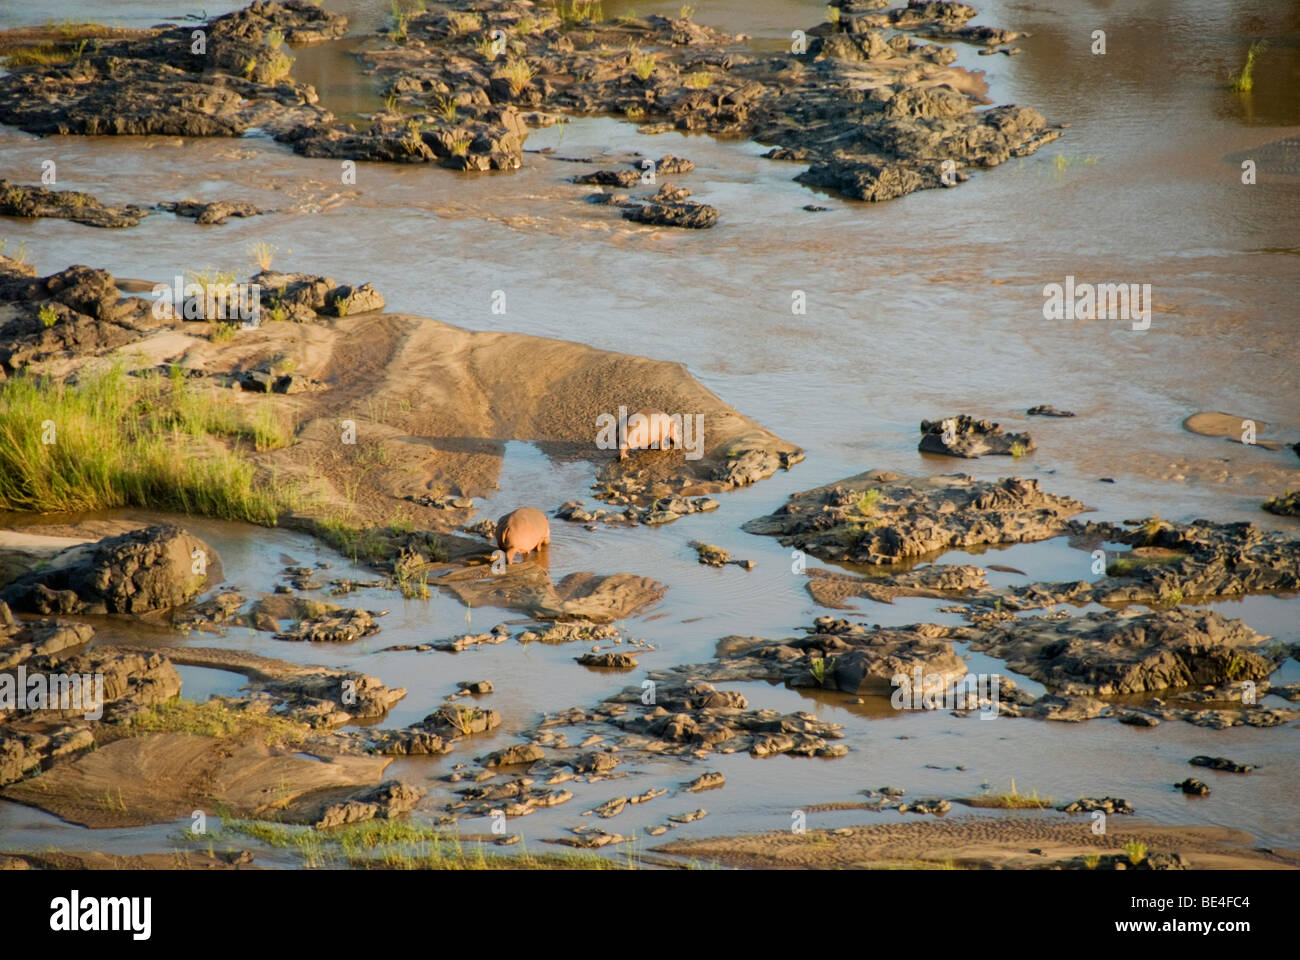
(962, 436)
(1221, 763)
(135, 572)
(34, 202)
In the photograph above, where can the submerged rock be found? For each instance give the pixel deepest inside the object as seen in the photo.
(1221, 763)
(682, 213)
(214, 212)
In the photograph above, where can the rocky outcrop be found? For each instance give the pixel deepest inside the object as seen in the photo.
(387, 801)
(342, 626)
(1124, 652)
(864, 105)
(1287, 505)
(154, 568)
(683, 213)
(69, 313)
(885, 518)
(963, 436)
(166, 82)
(839, 655)
(22, 640)
(304, 298)
(36, 202)
(940, 581)
(1167, 563)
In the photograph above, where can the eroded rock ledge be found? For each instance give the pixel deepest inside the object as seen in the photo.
(884, 518)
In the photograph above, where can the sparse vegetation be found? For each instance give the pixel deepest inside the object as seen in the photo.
(1244, 82)
(867, 501)
(818, 667)
(1018, 450)
(214, 719)
(398, 33)
(576, 11)
(463, 23)
(447, 109)
(643, 64)
(518, 74)
(263, 253)
(398, 845)
(41, 54)
(1136, 851)
(699, 80)
(49, 317)
(1012, 800)
(1126, 564)
(223, 332)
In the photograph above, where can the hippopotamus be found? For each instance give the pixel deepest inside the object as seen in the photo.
(522, 531)
(653, 428)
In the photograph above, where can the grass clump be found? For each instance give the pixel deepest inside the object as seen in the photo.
(1012, 800)
(118, 441)
(43, 54)
(399, 845)
(699, 80)
(214, 719)
(49, 317)
(1244, 82)
(517, 73)
(866, 503)
(1136, 851)
(576, 11)
(643, 64)
(263, 253)
(460, 24)
(1127, 563)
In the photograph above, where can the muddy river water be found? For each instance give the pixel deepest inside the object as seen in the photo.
(922, 307)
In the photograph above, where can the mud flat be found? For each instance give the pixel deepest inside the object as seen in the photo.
(1004, 843)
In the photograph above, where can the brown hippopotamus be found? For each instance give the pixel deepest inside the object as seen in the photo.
(522, 531)
(653, 428)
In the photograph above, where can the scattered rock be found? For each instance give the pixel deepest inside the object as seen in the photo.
(962, 436)
(1221, 763)
(1193, 787)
